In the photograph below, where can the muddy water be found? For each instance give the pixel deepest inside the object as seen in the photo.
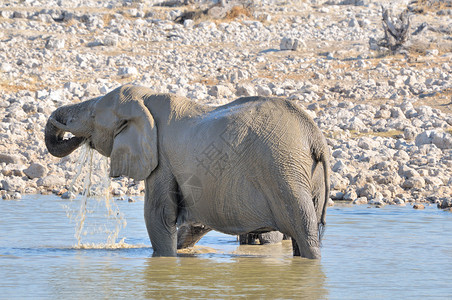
(368, 253)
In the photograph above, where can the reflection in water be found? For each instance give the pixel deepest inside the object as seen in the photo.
(386, 253)
(270, 277)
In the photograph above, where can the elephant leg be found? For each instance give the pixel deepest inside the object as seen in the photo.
(272, 237)
(303, 227)
(160, 214)
(189, 234)
(296, 250)
(248, 239)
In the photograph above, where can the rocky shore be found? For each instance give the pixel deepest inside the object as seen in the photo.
(387, 116)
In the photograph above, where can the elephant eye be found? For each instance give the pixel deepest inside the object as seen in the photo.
(121, 126)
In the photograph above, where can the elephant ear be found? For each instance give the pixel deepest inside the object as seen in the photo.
(134, 153)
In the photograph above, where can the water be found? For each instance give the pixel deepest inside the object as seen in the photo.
(91, 164)
(368, 253)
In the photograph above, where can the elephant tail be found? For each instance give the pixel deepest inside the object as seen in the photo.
(321, 155)
(326, 179)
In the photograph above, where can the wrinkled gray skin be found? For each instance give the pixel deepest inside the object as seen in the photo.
(271, 237)
(254, 165)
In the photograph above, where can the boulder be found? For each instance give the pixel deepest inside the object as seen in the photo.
(245, 89)
(220, 91)
(445, 203)
(11, 158)
(36, 170)
(51, 181)
(360, 201)
(55, 43)
(351, 196)
(13, 184)
(442, 140)
(414, 183)
(264, 90)
(291, 44)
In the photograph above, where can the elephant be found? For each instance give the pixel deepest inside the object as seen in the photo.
(254, 165)
(189, 234)
(271, 237)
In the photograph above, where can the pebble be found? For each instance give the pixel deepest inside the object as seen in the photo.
(418, 206)
(390, 153)
(68, 195)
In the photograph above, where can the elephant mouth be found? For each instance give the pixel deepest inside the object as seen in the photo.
(58, 143)
(73, 119)
(91, 144)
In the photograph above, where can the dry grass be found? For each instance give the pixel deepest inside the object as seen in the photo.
(423, 6)
(14, 88)
(238, 11)
(200, 15)
(395, 134)
(206, 81)
(107, 19)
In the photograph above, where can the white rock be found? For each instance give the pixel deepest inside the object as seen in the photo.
(125, 72)
(51, 181)
(424, 138)
(360, 201)
(188, 23)
(13, 184)
(367, 143)
(369, 190)
(350, 195)
(435, 181)
(264, 90)
(339, 166)
(355, 123)
(6, 67)
(383, 113)
(379, 202)
(414, 183)
(55, 43)
(408, 172)
(220, 91)
(245, 89)
(11, 158)
(442, 140)
(291, 44)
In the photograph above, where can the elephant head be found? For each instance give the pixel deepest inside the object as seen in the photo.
(118, 125)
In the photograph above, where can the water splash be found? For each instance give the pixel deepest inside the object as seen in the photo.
(92, 176)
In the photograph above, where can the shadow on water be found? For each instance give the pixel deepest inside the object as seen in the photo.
(233, 276)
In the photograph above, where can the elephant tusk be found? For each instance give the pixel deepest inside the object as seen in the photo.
(58, 125)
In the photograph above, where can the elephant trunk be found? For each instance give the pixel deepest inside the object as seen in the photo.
(58, 124)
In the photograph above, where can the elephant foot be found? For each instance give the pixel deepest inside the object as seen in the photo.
(311, 252)
(249, 239)
(189, 234)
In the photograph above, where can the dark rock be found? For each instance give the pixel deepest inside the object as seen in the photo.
(445, 203)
